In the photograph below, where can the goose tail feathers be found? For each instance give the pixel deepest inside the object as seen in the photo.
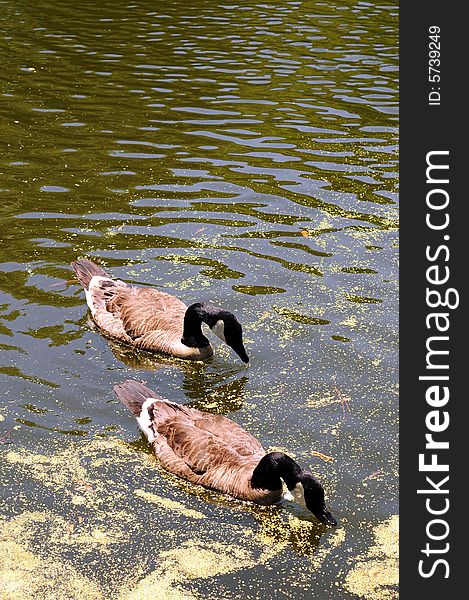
(86, 269)
(133, 394)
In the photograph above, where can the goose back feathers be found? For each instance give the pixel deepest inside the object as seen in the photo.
(152, 320)
(213, 451)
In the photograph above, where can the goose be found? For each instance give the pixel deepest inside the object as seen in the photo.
(216, 453)
(152, 320)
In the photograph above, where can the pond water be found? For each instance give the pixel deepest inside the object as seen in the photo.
(239, 153)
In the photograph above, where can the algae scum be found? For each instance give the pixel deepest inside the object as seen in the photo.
(243, 154)
(81, 535)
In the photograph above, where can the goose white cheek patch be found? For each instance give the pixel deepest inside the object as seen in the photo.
(298, 493)
(144, 421)
(219, 330)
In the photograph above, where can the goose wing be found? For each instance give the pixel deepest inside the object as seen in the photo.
(146, 310)
(230, 432)
(174, 463)
(204, 441)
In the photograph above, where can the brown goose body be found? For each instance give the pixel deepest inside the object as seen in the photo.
(146, 318)
(205, 449)
(213, 451)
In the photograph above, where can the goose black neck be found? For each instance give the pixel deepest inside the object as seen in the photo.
(272, 468)
(192, 335)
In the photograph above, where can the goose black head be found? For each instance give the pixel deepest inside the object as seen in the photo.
(303, 487)
(223, 324)
(310, 493)
(229, 330)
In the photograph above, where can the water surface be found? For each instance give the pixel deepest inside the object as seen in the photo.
(239, 153)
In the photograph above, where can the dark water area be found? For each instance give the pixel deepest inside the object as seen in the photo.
(238, 153)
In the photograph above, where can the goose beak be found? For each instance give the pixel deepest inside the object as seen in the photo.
(325, 517)
(241, 352)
